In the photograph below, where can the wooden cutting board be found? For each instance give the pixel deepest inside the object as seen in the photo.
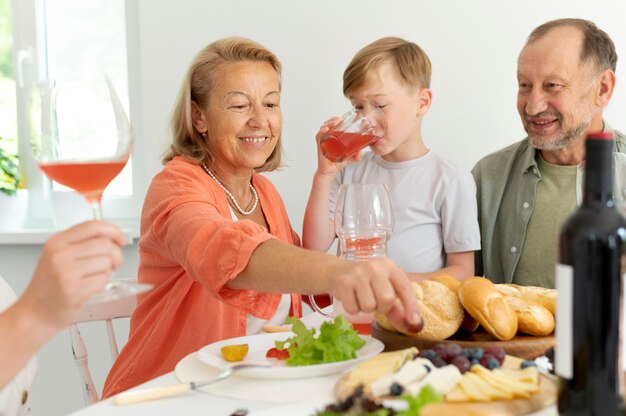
(546, 397)
(522, 346)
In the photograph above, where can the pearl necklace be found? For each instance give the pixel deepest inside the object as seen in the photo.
(231, 197)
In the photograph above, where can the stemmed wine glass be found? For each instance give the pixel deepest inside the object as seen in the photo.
(81, 138)
(364, 221)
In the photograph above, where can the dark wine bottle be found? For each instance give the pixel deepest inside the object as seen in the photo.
(589, 273)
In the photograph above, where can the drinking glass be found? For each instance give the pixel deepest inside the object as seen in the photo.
(364, 221)
(354, 132)
(81, 138)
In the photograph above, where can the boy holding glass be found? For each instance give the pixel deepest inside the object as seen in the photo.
(436, 229)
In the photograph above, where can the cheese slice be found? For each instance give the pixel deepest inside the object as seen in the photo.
(411, 371)
(441, 380)
(378, 366)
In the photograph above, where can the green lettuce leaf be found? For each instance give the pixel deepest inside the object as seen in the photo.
(337, 341)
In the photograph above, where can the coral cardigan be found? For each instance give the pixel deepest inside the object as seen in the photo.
(189, 250)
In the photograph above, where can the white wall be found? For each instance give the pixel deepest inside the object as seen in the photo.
(473, 46)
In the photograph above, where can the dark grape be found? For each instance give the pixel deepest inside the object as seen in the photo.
(489, 361)
(497, 352)
(467, 353)
(478, 353)
(396, 389)
(430, 354)
(439, 349)
(439, 362)
(486, 358)
(461, 362)
(450, 352)
(527, 363)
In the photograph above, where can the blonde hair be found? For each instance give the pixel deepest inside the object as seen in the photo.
(411, 64)
(197, 86)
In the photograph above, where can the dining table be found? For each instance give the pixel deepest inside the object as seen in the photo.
(237, 396)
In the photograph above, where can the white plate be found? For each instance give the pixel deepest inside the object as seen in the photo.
(258, 346)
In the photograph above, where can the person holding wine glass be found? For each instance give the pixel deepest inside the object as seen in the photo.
(215, 237)
(436, 231)
(74, 264)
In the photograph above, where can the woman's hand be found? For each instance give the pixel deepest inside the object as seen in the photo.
(377, 285)
(74, 265)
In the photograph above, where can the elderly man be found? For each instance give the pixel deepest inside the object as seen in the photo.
(566, 76)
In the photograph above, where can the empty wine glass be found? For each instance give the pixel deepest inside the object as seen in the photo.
(81, 138)
(364, 221)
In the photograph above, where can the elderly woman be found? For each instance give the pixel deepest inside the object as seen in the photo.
(215, 237)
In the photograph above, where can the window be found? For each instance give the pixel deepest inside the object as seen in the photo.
(8, 111)
(56, 38)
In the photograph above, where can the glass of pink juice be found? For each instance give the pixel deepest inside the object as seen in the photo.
(81, 138)
(352, 134)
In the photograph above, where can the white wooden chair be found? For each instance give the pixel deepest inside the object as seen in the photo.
(121, 308)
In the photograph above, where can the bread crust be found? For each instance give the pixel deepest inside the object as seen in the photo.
(532, 318)
(543, 296)
(488, 306)
(469, 324)
(440, 308)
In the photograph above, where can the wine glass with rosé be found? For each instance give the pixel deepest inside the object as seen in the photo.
(364, 221)
(81, 138)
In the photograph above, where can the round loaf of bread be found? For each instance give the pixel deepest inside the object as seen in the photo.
(469, 324)
(532, 318)
(440, 308)
(450, 282)
(541, 295)
(488, 306)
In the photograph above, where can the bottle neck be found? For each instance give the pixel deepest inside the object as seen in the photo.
(598, 185)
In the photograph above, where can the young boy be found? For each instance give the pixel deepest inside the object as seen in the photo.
(436, 229)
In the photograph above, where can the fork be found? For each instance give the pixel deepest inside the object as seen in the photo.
(176, 389)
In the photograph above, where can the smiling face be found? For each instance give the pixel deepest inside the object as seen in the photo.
(557, 95)
(395, 110)
(243, 119)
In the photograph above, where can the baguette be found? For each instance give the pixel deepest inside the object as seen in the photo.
(488, 306)
(541, 295)
(532, 318)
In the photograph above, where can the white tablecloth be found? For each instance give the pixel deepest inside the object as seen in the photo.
(204, 403)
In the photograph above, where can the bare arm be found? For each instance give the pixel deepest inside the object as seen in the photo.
(318, 230)
(366, 286)
(458, 265)
(74, 265)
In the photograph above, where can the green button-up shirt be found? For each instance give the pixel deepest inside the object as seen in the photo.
(506, 183)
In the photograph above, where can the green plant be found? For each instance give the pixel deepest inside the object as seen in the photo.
(9, 172)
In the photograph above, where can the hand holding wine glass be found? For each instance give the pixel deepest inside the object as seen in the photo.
(81, 138)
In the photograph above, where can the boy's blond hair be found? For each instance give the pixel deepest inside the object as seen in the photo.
(410, 62)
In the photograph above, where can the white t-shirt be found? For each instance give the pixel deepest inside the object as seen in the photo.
(434, 205)
(13, 393)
